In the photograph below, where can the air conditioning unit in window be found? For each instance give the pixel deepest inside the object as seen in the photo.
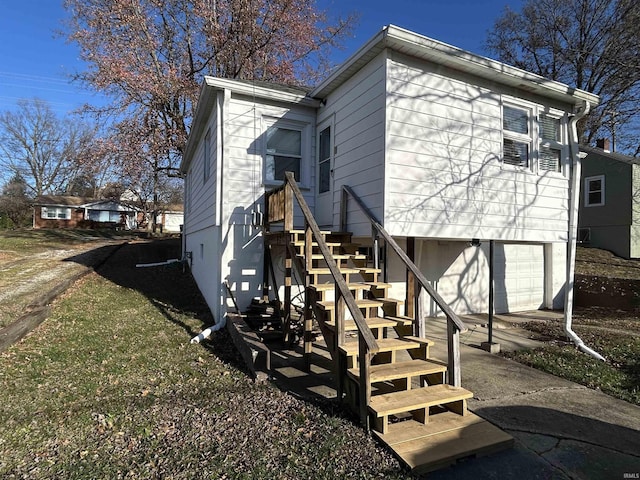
(584, 235)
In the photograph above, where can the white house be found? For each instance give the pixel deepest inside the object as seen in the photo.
(444, 147)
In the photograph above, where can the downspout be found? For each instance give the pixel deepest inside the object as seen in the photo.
(574, 202)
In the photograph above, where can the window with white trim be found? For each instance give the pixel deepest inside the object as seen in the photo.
(594, 191)
(533, 137)
(56, 213)
(516, 142)
(551, 146)
(284, 151)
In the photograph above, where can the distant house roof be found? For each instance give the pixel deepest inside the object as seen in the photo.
(610, 155)
(62, 200)
(81, 202)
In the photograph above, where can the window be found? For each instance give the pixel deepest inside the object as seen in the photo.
(207, 157)
(284, 152)
(56, 213)
(516, 136)
(551, 147)
(594, 191)
(324, 161)
(532, 138)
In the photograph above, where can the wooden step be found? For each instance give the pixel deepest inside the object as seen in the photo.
(300, 243)
(446, 439)
(324, 287)
(362, 303)
(401, 320)
(350, 348)
(403, 370)
(375, 322)
(319, 256)
(418, 401)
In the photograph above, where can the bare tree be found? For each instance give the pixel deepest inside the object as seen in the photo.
(593, 45)
(44, 150)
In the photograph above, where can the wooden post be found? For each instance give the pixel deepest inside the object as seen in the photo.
(364, 360)
(453, 367)
(288, 208)
(308, 325)
(286, 327)
(308, 248)
(339, 317)
(410, 300)
(420, 322)
(344, 198)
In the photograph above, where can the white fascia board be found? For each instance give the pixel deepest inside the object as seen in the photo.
(426, 48)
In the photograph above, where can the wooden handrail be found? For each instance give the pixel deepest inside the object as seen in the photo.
(446, 309)
(341, 284)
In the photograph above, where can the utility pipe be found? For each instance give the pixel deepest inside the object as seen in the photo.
(574, 201)
(158, 264)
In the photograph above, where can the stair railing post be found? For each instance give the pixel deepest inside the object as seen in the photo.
(288, 207)
(288, 264)
(344, 198)
(453, 360)
(420, 321)
(339, 313)
(364, 390)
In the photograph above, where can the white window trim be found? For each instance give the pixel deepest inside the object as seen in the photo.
(534, 139)
(305, 149)
(44, 213)
(587, 181)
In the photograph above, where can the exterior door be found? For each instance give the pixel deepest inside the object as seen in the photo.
(324, 175)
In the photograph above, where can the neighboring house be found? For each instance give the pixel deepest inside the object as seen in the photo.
(56, 211)
(442, 145)
(610, 205)
(171, 218)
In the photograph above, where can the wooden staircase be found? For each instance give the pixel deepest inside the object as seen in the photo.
(385, 373)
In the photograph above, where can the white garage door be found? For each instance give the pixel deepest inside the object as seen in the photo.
(518, 277)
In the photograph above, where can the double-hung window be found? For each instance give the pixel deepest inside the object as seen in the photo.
(551, 146)
(533, 137)
(594, 191)
(516, 143)
(284, 152)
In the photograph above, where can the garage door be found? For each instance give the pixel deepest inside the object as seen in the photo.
(518, 277)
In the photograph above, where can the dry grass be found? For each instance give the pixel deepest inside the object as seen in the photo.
(109, 387)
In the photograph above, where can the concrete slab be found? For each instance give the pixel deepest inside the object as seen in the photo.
(563, 430)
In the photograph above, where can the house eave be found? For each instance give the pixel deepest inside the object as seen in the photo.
(425, 48)
(610, 155)
(212, 85)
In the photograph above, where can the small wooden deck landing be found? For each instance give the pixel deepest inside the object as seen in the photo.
(447, 438)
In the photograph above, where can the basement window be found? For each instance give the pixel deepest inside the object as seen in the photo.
(594, 191)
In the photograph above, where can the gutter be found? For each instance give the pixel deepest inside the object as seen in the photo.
(574, 202)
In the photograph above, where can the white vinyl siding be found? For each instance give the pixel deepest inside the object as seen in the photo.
(358, 107)
(444, 172)
(201, 180)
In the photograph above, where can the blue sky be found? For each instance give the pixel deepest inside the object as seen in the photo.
(35, 62)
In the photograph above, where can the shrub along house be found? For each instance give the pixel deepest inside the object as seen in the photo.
(423, 156)
(610, 205)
